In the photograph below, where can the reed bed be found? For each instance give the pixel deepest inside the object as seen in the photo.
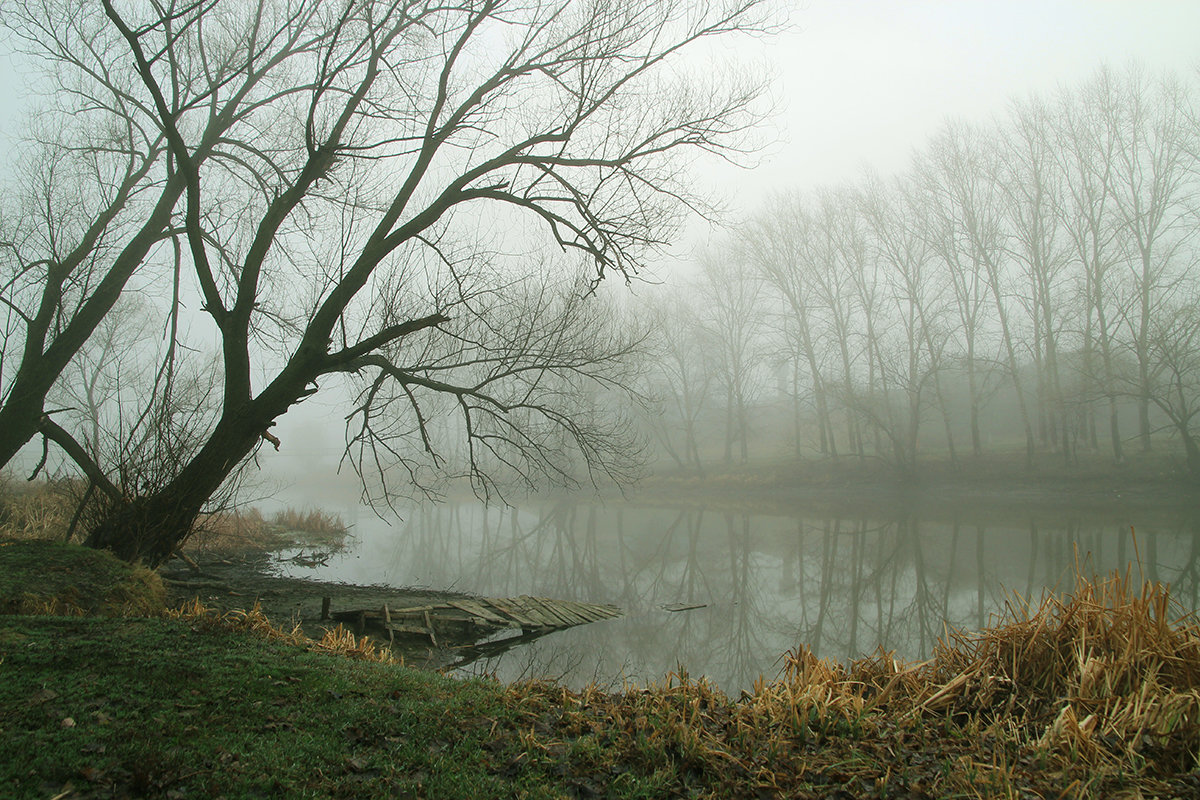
(245, 531)
(38, 511)
(310, 521)
(1092, 693)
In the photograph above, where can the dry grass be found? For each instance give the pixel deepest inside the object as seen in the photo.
(337, 641)
(41, 510)
(313, 521)
(243, 531)
(1105, 678)
(232, 533)
(1093, 693)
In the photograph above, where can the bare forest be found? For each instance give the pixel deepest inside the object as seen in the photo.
(1028, 286)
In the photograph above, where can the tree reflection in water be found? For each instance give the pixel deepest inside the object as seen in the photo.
(844, 586)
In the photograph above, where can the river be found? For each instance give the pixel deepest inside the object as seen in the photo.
(763, 583)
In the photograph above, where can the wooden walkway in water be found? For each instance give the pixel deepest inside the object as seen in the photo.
(529, 614)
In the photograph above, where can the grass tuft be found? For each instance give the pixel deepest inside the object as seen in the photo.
(40, 577)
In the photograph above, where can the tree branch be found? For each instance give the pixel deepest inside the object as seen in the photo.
(55, 433)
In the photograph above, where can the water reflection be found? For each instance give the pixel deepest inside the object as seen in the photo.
(843, 585)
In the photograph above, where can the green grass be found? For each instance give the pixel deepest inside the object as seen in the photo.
(167, 708)
(43, 576)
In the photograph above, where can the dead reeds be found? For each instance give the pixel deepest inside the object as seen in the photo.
(312, 521)
(1088, 693)
(1106, 676)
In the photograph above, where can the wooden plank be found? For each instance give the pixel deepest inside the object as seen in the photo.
(417, 609)
(546, 609)
(573, 610)
(552, 609)
(593, 612)
(583, 611)
(684, 606)
(535, 606)
(598, 612)
(429, 625)
(506, 605)
(531, 612)
(477, 610)
(345, 616)
(569, 611)
(400, 627)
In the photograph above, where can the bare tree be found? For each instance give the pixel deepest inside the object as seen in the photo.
(968, 160)
(731, 322)
(1084, 147)
(1173, 350)
(840, 263)
(1153, 190)
(99, 191)
(1031, 184)
(898, 218)
(681, 376)
(357, 180)
(778, 245)
(957, 267)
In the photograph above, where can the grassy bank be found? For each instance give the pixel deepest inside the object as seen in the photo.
(1094, 694)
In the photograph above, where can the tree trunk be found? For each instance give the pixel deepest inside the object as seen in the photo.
(149, 528)
(18, 424)
(1192, 450)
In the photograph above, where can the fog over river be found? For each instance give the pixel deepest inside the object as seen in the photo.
(766, 582)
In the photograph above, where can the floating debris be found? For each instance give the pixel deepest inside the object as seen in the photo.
(684, 606)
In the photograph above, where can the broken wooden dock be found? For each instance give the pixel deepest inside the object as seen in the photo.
(483, 614)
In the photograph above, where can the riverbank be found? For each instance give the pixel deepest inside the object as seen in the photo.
(1000, 486)
(242, 580)
(1087, 695)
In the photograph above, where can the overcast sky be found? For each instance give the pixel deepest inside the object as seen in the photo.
(867, 81)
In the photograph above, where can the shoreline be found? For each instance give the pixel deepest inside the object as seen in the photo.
(1000, 488)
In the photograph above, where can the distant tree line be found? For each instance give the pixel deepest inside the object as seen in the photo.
(1045, 264)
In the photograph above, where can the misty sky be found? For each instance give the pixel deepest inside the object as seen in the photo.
(866, 81)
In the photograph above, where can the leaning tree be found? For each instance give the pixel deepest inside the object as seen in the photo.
(357, 191)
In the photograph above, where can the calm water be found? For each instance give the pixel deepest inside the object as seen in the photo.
(844, 586)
